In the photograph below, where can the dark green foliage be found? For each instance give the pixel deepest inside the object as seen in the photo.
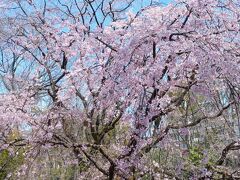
(10, 162)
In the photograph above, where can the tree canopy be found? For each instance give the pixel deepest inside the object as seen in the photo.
(120, 89)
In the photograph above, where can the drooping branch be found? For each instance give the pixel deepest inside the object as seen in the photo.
(233, 146)
(180, 126)
(106, 44)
